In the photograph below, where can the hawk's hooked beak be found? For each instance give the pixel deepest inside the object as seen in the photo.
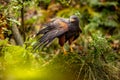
(72, 20)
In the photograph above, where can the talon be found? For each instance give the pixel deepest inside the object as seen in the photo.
(71, 49)
(64, 51)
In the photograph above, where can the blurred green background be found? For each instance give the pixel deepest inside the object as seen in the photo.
(96, 53)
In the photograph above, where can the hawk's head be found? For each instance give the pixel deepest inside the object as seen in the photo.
(74, 19)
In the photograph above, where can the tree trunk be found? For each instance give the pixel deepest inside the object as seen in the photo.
(17, 36)
(22, 20)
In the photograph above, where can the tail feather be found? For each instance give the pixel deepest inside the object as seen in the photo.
(48, 42)
(37, 45)
(45, 39)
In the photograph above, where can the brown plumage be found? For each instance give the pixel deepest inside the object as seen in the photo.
(63, 29)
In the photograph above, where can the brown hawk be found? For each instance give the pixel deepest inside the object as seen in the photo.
(61, 28)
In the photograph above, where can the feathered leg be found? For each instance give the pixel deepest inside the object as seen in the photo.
(61, 42)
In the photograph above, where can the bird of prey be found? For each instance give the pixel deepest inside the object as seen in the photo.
(61, 28)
